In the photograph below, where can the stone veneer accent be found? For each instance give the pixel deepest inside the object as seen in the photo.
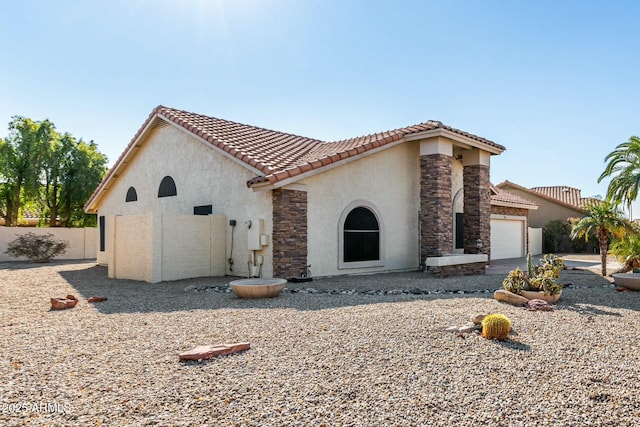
(289, 233)
(477, 208)
(507, 210)
(470, 269)
(436, 210)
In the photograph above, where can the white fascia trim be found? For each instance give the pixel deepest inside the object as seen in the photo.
(288, 181)
(514, 205)
(455, 137)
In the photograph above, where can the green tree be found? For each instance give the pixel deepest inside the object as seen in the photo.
(72, 170)
(21, 155)
(624, 165)
(605, 220)
(86, 168)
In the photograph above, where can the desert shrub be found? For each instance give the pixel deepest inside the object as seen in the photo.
(36, 247)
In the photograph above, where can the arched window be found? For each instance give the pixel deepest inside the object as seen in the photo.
(360, 237)
(132, 196)
(167, 187)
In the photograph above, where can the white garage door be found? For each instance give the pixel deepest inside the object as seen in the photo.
(507, 238)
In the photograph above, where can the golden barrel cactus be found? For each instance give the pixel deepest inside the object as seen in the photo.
(496, 326)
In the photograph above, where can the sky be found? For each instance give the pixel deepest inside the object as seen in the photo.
(555, 82)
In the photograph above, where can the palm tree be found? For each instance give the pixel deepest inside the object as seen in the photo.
(624, 166)
(604, 219)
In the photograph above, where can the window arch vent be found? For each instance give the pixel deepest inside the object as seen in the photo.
(167, 187)
(132, 195)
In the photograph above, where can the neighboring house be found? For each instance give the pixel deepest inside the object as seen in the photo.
(278, 202)
(28, 218)
(554, 203)
(511, 232)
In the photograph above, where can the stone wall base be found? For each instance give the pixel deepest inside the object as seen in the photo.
(470, 269)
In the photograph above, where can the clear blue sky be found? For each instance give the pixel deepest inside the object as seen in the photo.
(556, 82)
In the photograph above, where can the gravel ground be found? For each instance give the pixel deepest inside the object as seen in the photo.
(316, 358)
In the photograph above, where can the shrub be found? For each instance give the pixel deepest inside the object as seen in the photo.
(36, 247)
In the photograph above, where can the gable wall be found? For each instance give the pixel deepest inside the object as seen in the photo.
(202, 176)
(388, 180)
(547, 211)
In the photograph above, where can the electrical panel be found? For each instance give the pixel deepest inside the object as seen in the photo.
(256, 229)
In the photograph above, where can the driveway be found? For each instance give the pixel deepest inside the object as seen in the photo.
(584, 261)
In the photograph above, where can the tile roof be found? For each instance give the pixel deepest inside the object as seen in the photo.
(564, 195)
(280, 155)
(502, 196)
(276, 156)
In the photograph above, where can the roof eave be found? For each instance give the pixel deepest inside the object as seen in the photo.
(470, 142)
(91, 206)
(513, 205)
(272, 184)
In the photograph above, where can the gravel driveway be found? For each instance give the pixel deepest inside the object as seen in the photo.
(350, 351)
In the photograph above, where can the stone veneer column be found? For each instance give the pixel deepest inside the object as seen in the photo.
(436, 208)
(289, 233)
(477, 208)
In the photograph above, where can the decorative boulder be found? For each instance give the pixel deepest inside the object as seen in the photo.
(510, 297)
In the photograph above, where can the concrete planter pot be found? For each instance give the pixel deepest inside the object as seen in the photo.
(257, 288)
(551, 299)
(630, 281)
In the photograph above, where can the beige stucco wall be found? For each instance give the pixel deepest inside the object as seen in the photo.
(82, 242)
(390, 182)
(203, 176)
(547, 211)
(191, 246)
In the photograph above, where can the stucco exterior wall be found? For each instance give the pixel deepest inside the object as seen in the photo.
(547, 211)
(131, 258)
(390, 182)
(203, 176)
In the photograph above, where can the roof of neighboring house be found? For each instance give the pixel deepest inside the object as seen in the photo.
(275, 156)
(566, 196)
(505, 198)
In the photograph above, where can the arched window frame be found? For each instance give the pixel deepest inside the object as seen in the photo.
(343, 217)
(167, 187)
(132, 195)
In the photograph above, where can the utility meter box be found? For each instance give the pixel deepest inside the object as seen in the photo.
(253, 233)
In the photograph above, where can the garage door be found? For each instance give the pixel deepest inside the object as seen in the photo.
(507, 238)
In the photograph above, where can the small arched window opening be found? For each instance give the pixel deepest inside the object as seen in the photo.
(361, 237)
(132, 195)
(167, 187)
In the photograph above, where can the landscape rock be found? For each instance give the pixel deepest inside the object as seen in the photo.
(63, 303)
(97, 299)
(467, 328)
(538, 305)
(477, 320)
(510, 297)
(203, 352)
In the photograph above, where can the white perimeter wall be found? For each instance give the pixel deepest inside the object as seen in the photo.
(535, 241)
(82, 242)
(203, 176)
(155, 248)
(390, 181)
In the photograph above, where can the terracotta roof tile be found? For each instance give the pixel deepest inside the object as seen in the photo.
(569, 195)
(272, 152)
(507, 197)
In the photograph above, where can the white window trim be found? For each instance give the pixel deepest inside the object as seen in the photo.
(343, 217)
